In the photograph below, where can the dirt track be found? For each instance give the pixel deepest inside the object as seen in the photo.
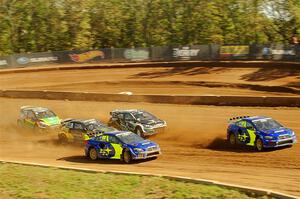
(185, 80)
(193, 145)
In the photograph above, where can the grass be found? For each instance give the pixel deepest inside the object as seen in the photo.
(18, 181)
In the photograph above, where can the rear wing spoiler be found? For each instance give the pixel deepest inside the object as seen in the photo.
(233, 119)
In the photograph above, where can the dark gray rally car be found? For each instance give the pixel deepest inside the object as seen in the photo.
(140, 122)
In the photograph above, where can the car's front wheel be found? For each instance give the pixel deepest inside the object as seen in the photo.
(127, 158)
(259, 145)
(139, 132)
(93, 154)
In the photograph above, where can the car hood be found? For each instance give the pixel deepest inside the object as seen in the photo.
(51, 121)
(278, 132)
(144, 144)
(152, 122)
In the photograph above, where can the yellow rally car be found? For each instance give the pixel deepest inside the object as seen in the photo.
(78, 130)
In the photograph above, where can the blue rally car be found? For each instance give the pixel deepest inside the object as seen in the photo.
(123, 145)
(260, 132)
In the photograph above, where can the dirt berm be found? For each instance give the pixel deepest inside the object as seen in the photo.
(270, 101)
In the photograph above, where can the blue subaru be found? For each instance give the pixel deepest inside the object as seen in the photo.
(260, 132)
(123, 145)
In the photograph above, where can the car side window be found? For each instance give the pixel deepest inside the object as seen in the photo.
(242, 123)
(23, 114)
(70, 125)
(90, 127)
(30, 115)
(113, 140)
(128, 117)
(120, 116)
(103, 138)
(78, 126)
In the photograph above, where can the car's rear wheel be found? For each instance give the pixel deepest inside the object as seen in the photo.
(93, 154)
(127, 158)
(232, 139)
(259, 145)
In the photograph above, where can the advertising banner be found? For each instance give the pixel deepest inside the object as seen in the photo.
(136, 54)
(279, 52)
(234, 52)
(85, 56)
(3, 62)
(185, 53)
(35, 59)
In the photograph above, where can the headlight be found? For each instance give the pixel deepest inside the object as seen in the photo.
(293, 133)
(147, 126)
(268, 137)
(138, 150)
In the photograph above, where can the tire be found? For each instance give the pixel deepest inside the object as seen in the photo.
(126, 156)
(232, 139)
(139, 132)
(259, 145)
(93, 154)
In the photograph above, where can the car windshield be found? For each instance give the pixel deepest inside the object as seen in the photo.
(45, 114)
(266, 124)
(143, 115)
(129, 137)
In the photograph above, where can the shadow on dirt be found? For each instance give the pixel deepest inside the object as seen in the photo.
(189, 71)
(265, 74)
(57, 143)
(84, 159)
(219, 144)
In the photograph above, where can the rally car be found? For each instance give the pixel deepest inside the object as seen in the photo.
(260, 132)
(138, 121)
(78, 130)
(123, 145)
(38, 118)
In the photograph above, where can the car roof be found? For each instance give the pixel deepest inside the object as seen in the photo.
(85, 121)
(116, 132)
(128, 111)
(256, 118)
(88, 121)
(34, 108)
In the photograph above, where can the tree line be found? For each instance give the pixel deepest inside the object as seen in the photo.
(55, 25)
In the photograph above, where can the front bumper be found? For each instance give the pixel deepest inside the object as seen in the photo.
(279, 142)
(146, 155)
(153, 131)
(50, 129)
